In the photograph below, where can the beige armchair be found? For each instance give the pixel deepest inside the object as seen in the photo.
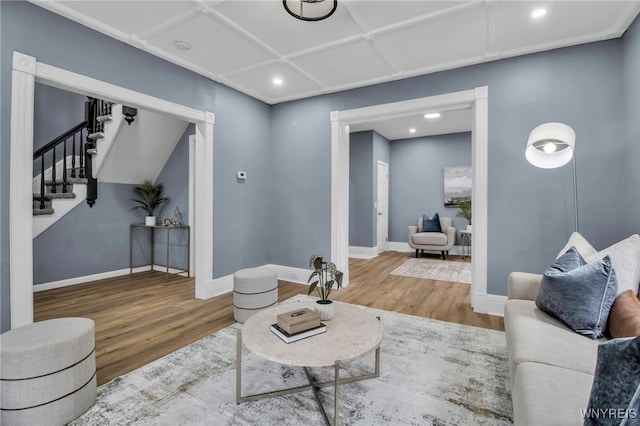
(437, 241)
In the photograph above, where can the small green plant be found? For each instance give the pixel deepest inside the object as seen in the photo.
(323, 277)
(465, 209)
(149, 197)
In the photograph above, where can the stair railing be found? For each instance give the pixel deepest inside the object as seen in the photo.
(75, 133)
(83, 139)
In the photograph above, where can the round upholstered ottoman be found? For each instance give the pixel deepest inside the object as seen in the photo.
(48, 372)
(253, 289)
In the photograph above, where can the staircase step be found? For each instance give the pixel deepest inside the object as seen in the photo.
(42, 212)
(104, 118)
(96, 136)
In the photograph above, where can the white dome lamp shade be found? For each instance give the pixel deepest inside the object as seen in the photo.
(550, 145)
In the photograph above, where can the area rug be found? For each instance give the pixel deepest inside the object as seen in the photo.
(433, 269)
(432, 373)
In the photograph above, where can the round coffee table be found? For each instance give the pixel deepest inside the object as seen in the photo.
(351, 333)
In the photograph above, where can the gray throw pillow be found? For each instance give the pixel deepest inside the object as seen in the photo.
(616, 384)
(431, 224)
(579, 294)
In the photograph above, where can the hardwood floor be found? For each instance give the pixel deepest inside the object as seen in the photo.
(142, 317)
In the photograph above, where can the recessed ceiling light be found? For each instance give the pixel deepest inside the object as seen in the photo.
(432, 115)
(277, 81)
(412, 130)
(182, 45)
(538, 13)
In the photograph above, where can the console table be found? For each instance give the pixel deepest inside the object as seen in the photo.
(169, 229)
(351, 333)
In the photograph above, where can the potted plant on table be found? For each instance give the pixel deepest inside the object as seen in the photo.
(465, 211)
(149, 198)
(322, 279)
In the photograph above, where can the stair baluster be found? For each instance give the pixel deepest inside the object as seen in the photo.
(82, 154)
(42, 183)
(53, 172)
(64, 167)
(73, 156)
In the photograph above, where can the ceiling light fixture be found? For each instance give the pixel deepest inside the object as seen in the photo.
(277, 81)
(182, 45)
(538, 13)
(310, 10)
(432, 115)
(412, 130)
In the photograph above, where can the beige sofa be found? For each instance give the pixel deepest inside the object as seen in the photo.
(551, 366)
(434, 241)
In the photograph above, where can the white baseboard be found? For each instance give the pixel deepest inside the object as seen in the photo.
(215, 287)
(222, 285)
(399, 246)
(495, 304)
(289, 273)
(101, 276)
(87, 278)
(359, 252)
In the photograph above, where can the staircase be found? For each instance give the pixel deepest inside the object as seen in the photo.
(71, 175)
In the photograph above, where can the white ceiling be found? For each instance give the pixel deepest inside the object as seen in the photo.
(244, 44)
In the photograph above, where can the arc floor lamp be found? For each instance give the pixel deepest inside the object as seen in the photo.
(552, 145)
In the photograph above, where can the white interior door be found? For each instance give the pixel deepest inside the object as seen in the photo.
(383, 206)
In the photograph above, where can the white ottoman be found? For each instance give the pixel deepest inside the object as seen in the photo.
(48, 373)
(253, 289)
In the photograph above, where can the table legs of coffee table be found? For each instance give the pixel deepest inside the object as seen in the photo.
(312, 386)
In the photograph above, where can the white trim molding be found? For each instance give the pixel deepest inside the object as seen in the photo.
(26, 72)
(496, 304)
(359, 252)
(477, 99)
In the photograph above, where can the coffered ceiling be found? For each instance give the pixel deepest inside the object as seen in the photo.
(246, 44)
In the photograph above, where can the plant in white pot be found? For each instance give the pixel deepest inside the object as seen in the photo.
(465, 211)
(322, 279)
(149, 198)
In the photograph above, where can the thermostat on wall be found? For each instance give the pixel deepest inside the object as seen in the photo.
(242, 175)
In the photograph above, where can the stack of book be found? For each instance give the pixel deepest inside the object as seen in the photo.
(296, 325)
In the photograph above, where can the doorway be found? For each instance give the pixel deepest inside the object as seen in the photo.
(26, 72)
(383, 207)
(477, 99)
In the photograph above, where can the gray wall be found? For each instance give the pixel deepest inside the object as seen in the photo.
(530, 212)
(417, 179)
(174, 177)
(631, 82)
(362, 231)
(365, 150)
(87, 240)
(241, 133)
(55, 112)
(284, 215)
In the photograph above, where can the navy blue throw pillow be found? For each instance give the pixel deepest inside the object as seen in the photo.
(578, 293)
(616, 384)
(431, 224)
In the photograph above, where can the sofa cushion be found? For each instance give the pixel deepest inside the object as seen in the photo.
(431, 224)
(580, 243)
(577, 293)
(549, 395)
(533, 336)
(625, 258)
(624, 317)
(430, 238)
(616, 381)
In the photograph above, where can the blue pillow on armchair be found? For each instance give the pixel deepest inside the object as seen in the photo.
(431, 224)
(578, 293)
